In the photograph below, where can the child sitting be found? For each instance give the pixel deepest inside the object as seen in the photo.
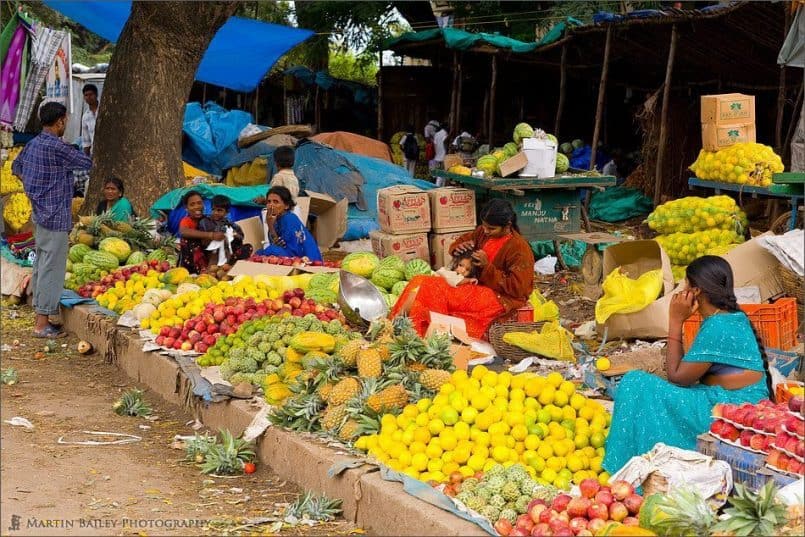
(218, 221)
(461, 272)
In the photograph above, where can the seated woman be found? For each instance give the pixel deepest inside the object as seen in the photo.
(505, 276)
(113, 201)
(287, 234)
(193, 241)
(725, 364)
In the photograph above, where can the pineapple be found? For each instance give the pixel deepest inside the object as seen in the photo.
(678, 513)
(298, 413)
(417, 367)
(333, 417)
(402, 324)
(349, 430)
(345, 390)
(325, 390)
(393, 397)
(753, 513)
(349, 352)
(437, 352)
(433, 379)
(311, 507)
(379, 329)
(228, 457)
(132, 404)
(406, 348)
(369, 363)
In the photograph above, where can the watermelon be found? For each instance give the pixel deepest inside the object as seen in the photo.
(399, 287)
(552, 138)
(102, 260)
(135, 258)
(416, 267)
(391, 262)
(387, 277)
(157, 255)
(117, 247)
(77, 252)
(360, 263)
(562, 163)
(510, 149)
(577, 143)
(566, 148)
(522, 130)
(487, 164)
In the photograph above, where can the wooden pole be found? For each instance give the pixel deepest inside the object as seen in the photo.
(316, 110)
(380, 126)
(562, 79)
(492, 90)
(485, 115)
(458, 94)
(778, 128)
(666, 94)
(203, 93)
(599, 109)
(284, 101)
(451, 123)
(257, 105)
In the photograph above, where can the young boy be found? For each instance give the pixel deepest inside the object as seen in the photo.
(284, 158)
(218, 220)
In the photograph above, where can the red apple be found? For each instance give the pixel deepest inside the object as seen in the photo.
(209, 340)
(518, 532)
(589, 487)
(718, 410)
(584, 533)
(758, 442)
(745, 437)
(579, 523)
(212, 329)
(525, 523)
(577, 507)
(503, 527)
(168, 341)
(716, 427)
(631, 521)
(299, 292)
(187, 346)
(535, 509)
(633, 503)
(177, 345)
(563, 531)
(557, 524)
(194, 337)
(596, 525)
(541, 530)
(621, 489)
(560, 502)
(200, 347)
(598, 510)
(160, 340)
(547, 515)
(618, 511)
(218, 315)
(604, 497)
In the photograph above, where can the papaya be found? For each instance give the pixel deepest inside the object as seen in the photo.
(616, 529)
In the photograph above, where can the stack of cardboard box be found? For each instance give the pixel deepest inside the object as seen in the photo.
(407, 214)
(727, 119)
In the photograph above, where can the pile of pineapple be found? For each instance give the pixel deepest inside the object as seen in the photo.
(345, 395)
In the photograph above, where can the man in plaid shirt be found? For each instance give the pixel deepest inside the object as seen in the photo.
(45, 166)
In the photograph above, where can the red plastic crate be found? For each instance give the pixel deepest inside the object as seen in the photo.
(776, 324)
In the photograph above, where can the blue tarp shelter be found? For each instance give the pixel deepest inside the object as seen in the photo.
(238, 57)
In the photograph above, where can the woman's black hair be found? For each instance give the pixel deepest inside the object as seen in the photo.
(284, 194)
(115, 181)
(499, 212)
(712, 275)
(189, 195)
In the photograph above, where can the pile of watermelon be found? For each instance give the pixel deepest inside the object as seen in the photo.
(85, 264)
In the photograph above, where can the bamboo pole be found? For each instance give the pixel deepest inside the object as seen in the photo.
(778, 127)
(380, 126)
(666, 92)
(458, 94)
(492, 91)
(257, 105)
(203, 93)
(562, 80)
(599, 109)
(453, 93)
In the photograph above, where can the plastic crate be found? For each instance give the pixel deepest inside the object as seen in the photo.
(525, 314)
(748, 468)
(775, 323)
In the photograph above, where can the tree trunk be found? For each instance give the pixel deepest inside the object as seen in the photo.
(139, 133)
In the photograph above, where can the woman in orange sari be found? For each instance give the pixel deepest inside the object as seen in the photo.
(505, 266)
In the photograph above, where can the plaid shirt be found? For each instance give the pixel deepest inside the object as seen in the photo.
(43, 166)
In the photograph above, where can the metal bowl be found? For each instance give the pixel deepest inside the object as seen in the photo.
(360, 301)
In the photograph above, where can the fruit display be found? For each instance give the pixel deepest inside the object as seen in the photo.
(369, 385)
(178, 309)
(488, 418)
(17, 210)
(292, 261)
(746, 163)
(360, 263)
(232, 319)
(273, 351)
(683, 248)
(10, 183)
(125, 288)
(690, 214)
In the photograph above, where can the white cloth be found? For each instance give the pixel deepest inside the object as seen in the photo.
(430, 128)
(438, 145)
(787, 248)
(88, 128)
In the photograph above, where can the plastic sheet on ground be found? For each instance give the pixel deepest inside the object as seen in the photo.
(428, 494)
(201, 387)
(616, 204)
(711, 478)
(572, 251)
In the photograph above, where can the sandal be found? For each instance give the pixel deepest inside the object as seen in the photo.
(50, 332)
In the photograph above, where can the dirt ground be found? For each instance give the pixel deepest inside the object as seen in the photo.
(141, 488)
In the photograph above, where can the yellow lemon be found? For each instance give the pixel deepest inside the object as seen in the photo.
(568, 413)
(560, 398)
(480, 402)
(423, 404)
(462, 455)
(560, 449)
(435, 465)
(449, 416)
(595, 464)
(549, 475)
(422, 420)
(483, 421)
(449, 468)
(574, 463)
(447, 389)
(568, 387)
(577, 401)
(448, 440)
(462, 430)
(479, 371)
(476, 462)
(411, 411)
(466, 471)
(419, 461)
(435, 426)
(547, 394)
(545, 450)
(468, 415)
(597, 439)
(490, 379)
(459, 375)
(500, 453)
(433, 451)
(554, 379)
(603, 364)
(603, 478)
(532, 442)
(581, 441)
(488, 392)
(516, 394)
(519, 432)
(534, 386)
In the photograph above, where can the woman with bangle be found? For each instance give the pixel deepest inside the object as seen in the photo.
(725, 364)
(192, 243)
(287, 234)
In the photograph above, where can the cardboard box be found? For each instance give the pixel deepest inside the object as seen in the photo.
(439, 243)
(715, 137)
(636, 258)
(329, 226)
(250, 268)
(728, 109)
(754, 266)
(403, 210)
(451, 208)
(406, 247)
(513, 164)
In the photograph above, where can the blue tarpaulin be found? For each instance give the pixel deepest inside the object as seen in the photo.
(238, 57)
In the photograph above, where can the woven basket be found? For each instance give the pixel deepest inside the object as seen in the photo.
(656, 483)
(503, 349)
(792, 284)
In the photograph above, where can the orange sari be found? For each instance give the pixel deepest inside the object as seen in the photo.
(477, 305)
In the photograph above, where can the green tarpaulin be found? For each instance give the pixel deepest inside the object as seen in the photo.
(463, 40)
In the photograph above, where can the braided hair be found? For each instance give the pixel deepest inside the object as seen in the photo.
(713, 276)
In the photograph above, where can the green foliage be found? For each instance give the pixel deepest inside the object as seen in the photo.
(228, 457)
(311, 507)
(132, 403)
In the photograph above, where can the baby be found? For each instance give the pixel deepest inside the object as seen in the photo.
(461, 271)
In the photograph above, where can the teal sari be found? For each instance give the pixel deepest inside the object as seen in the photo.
(649, 409)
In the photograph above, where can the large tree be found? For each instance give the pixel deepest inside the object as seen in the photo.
(138, 136)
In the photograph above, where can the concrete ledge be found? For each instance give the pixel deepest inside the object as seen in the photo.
(380, 507)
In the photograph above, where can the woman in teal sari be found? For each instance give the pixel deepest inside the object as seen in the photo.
(118, 206)
(725, 364)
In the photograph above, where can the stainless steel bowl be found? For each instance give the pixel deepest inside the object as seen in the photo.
(360, 301)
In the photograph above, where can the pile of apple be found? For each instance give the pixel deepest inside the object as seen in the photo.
(199, 333)
(586, 515)
(292, 261)
(93, 289)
